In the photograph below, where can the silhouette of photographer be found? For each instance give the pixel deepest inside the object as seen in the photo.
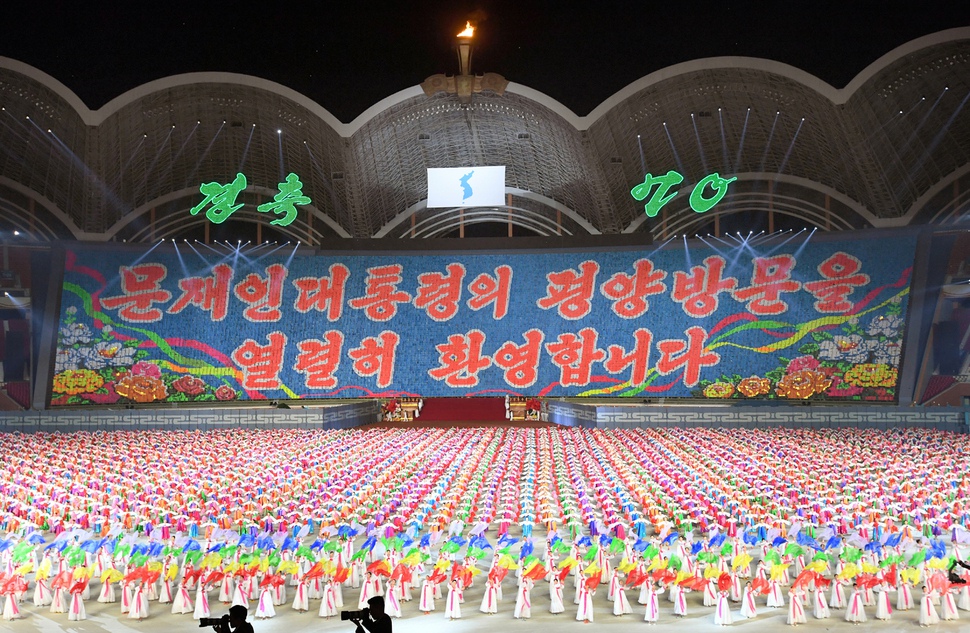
(237, 622)
(374, 620)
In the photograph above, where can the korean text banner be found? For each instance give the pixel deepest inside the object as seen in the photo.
(822, 320)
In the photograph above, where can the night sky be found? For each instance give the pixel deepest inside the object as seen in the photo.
(347, 58)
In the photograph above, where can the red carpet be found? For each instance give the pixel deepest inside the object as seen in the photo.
(463, 410)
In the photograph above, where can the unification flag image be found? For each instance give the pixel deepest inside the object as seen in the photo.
(466, 187)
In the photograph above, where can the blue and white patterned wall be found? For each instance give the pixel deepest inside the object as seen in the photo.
(344, 416)
(614, 417)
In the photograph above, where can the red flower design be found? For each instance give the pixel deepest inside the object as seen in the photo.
(189, 385)
(225, 392)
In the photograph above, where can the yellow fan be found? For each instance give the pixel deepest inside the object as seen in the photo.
(154, 566)
(849, 571)
(288, 567)
(25, 569)
(626, 565)
(741, 560)
(80, 572)
(936, 563)
(711, 572)
(44, 571)
(869, 568)
(910, 575)
(591, 569)
(778, 572)
(171, 572)
(569, 561)
(112, 575)
(681, 575)
(817, 566)
(656, 563)
(211, 560)
(507, 562)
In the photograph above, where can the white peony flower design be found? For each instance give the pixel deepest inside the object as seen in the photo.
(887, 325)
(107, 354)
(76, 333)
(887, 354)
(66, 359)
(850, 348)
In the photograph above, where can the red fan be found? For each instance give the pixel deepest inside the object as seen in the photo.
(437, 576)
(698, 584)
(563, 573)
(341, 574)
(866, 581)
(214, 577)
(889, 575)
(63, 580)
(760, 585)
(456, 571)
(822, 583)
(804, 578)
(191, 575)
(498, 574)
(79, 586)
(12, 585)
(936, 581)
(635, 578)
(593, 582)
(724, 581)
(537, 573)
(379, 568)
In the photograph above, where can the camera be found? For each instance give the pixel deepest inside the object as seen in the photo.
(353, 615)
(203, 622)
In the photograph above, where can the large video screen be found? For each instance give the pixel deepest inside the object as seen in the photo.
(793, 320)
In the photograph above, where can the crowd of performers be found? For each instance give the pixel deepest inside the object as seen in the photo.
(640, 524)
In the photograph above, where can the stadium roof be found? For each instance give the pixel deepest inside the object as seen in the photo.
(877, 151)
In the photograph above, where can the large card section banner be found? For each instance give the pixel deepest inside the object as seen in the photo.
(822, 320)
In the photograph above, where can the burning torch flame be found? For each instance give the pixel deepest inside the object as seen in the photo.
(469, 30)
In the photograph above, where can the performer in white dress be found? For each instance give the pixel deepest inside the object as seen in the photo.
(555, 596)
(855, 609)
(748, 608)
(453, 601)
(927, 612)
(722, 610)
(523, 600)
(821, 608)
(652, 611)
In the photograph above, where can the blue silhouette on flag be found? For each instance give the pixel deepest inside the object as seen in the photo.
(465, 187)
